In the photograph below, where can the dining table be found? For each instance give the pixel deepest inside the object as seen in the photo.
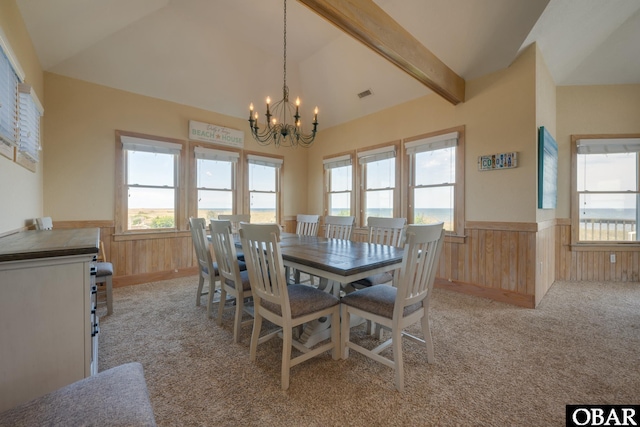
(337, 262)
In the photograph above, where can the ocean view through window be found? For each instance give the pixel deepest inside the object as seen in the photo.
(607, 189)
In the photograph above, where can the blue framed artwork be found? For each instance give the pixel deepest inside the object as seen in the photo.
(547, 170)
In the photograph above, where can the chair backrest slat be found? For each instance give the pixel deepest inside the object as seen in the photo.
(261, 247)
(386, 231)
(419, 264)
(307, 225)
(338, 227)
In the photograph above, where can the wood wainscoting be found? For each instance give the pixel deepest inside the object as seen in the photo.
(593, 263)
(495, 260)
(511, 262)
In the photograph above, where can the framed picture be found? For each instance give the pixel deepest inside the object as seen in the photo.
(547, 170)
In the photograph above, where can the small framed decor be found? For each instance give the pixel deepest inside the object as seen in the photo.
(547, 170)
(498, 161)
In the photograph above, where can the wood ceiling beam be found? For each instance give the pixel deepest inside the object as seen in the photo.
(367, 22)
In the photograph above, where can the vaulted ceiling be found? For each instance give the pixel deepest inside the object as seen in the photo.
(220, 55)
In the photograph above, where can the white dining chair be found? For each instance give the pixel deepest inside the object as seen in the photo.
(382, 231)
(235, 220)
(104, 278)
(397, 307)
(233, 281)
(306, 225)
(285, 306)
(338, 227)
(207, 269)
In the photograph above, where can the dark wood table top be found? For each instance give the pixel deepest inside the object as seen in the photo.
(33, 244)
(341, 257)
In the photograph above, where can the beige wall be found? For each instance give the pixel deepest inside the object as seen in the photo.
(80, 155)
(499, 115)
(591, 110)
(545, 115)
(20, 189)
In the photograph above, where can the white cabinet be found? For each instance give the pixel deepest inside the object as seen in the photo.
(48, 335)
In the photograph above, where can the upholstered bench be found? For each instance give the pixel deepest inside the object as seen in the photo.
(115, 397)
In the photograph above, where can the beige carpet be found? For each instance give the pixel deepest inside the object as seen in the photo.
(496, 365)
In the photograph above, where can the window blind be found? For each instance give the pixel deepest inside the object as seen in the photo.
(376, 155)
(29, 113)
(612, 145)
(211, 154)
(433, 143)
(264, 161)
(337, 162)
(149, 145)
(8, 100)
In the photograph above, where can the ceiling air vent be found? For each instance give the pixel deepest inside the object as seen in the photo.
(365, 93)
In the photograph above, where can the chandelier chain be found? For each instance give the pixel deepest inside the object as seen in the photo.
(285, 45)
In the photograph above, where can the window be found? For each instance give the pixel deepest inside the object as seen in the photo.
(435, 180)
(339, 185)
(378, 182)
(10, 75)
(607, 189)
(29, 115)
(264, 188)
(151, 198)
(215, 182)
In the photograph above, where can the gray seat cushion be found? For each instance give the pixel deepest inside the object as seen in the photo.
(244, 276)
(104, 269)
(115, 397)
(378, 299)
(304, 300)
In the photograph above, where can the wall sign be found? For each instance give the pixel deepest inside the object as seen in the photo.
(216, 134)
(498, 161)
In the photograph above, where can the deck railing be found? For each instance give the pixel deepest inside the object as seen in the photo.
(607, 229)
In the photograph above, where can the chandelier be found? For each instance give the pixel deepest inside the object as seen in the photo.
(283, 126)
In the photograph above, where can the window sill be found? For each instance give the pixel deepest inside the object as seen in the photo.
(600, 246)
(149, 235)
(455, 238)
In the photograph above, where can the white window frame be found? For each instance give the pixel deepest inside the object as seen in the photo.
(601, 144)
(374, 154)
(126, 141)
(329, 164)
(275, 162)
(434, 141)
(204, 153)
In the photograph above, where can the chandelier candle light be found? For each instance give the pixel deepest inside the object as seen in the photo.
(278, 131)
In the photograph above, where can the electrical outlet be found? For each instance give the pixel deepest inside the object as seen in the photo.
(612, 258)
